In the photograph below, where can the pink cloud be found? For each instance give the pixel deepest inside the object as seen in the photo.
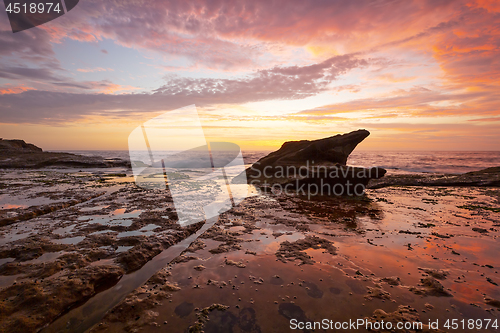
(10, 89)
(225, 34)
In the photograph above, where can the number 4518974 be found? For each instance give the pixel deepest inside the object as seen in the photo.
(33, 8)
(471, 324)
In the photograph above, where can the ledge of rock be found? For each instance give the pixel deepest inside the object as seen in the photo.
(489, 177)
(321, 163)
(7, 146)
(17, 154)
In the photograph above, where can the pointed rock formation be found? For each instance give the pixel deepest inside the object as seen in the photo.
(316, 165)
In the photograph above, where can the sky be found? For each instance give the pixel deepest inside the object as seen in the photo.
(419, 75)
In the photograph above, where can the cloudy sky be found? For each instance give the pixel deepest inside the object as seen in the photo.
(419, 75)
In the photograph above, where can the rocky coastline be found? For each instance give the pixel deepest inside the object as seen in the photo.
(17, 154)
(407, 249)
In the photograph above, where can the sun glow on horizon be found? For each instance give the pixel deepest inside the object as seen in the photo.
(426, 78)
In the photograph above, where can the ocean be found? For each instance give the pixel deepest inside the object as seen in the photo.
(395, 162)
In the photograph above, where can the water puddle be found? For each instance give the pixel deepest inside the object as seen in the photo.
(63, 231)
(116, 218)
(127, 179)
(91, 209)
(12, 206)
(123, 249)
(17, 232)
(8, 280)
(46, 257)
(144, 231)
(28, 199)
(69, 240)
(6, 260)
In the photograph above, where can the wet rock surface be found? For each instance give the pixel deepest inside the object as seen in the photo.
(97, 229)
(489, 177)
(351, 262)
(404, 314)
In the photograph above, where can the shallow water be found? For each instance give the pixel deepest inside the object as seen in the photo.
(118, 217)
(391, 238)
(144, 231)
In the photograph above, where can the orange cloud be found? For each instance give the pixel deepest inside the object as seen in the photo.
(418, 102)
(391, 78)
(490, 5)
(469, 54)
(8, 89)
(112, 88)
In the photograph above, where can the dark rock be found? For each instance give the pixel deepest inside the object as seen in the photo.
(318, 166)
(18, 145)
(334, 150)
(404, 313)
(34, 304)
(392, 281)
(492, 302)
(17, 154)
(439, 274)
(430, 287)
(489, 177)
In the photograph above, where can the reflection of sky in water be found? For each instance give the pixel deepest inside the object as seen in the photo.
(89, 209)
(46, 257)
(144, 231)
(123, 249)
(118, 249)
(69, 240)
(116, 218)
(333, 282)
(102, 232)
(8, 201)
(64, 230)
(7, 280)
(6, 260)
(18, 231)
